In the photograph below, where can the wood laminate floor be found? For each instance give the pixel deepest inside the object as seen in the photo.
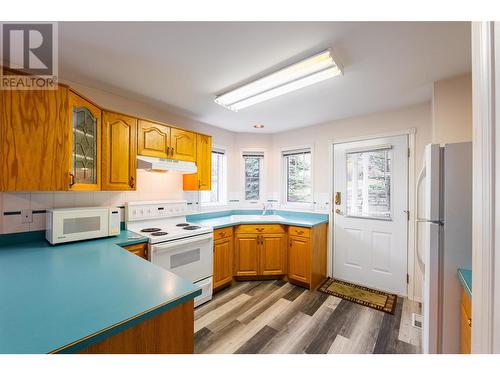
(277, 317)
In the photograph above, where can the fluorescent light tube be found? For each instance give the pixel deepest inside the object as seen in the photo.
(304, 73)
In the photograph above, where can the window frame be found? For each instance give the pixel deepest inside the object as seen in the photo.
(223, 178)
(262, 174)
(284, 178)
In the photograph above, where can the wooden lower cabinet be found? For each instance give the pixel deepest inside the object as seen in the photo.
(307, 255)
(272, 255)
(170, 332)
(299, 262)
(140, 249)
(465, 324)
(260, 250)
(223, 262)
(246, 262)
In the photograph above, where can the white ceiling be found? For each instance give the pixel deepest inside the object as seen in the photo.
(183, 66)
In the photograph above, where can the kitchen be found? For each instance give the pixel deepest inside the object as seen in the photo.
(191, 222)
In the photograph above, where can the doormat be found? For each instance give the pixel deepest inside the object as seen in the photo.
(362, 295)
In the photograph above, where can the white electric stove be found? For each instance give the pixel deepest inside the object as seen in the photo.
(174, 244)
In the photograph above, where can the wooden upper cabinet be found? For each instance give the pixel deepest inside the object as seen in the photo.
(153, 139)
(85, 158)
(119, 152)
(35, 140)
(183, 145)
(202, 179)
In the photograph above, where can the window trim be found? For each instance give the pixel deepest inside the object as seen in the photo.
(284, 182)
(224, 199)
(262, 178)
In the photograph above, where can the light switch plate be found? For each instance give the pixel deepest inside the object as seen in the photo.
(26, 216)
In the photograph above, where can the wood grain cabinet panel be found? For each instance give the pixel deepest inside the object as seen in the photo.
(202, 179)
(223, 262)
(183, 145)
(299, 263)
(140, 249)
(35, 138)
(272, 255)
(153, 139)
(119, 152)
(246, 255)
(465, 324)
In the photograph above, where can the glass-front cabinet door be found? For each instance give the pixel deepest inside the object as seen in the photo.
(85, 168)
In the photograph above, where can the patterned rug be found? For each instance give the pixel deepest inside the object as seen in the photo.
(373, 298)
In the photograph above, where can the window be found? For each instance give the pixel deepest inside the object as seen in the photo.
(369, 183)
(298, 181)
(216, 196)
(253, 166)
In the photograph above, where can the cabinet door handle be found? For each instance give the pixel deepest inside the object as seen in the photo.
(199, 184)
(172, 150)
(71, 179)
(469, 322)
(131, 182)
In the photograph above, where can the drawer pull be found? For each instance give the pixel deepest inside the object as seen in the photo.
(222, 234)
(259, 229)
(300, 232)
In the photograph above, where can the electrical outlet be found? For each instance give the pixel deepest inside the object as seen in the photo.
(26, 216)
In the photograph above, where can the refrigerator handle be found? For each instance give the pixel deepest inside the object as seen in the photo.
(420, 178)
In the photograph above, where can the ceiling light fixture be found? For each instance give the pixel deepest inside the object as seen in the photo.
(304, 73)
(258, 126)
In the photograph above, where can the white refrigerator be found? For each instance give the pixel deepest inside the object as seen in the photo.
(444, 240)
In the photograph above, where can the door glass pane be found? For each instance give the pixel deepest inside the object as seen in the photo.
(369, 184)
(84, 146)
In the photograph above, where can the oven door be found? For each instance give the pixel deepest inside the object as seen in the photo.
(190, 258)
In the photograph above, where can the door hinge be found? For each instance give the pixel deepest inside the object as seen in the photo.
(407, 278)
(409, 152)
(407, 215)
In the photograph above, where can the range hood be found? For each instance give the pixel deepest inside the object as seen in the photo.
(158, 164)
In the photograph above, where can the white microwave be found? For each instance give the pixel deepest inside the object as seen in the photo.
(77, 224)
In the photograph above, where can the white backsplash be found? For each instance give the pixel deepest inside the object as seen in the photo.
(150, 186)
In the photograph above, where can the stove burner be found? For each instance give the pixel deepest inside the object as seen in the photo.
(149, 230)
(182, 225)
(191, 227)
(159, 233)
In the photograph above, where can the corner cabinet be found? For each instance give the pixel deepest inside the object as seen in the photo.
(202, 179)
(119, 152)
(260, 250)
(85, 160)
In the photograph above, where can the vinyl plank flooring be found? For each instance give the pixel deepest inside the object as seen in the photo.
(257, 341)
(276, 317)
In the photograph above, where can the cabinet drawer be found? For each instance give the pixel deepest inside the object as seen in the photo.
(223, 233)
(260, 228)
(299, 231)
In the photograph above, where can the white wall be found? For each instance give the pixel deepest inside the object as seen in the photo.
(452, 110)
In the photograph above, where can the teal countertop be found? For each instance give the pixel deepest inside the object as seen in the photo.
(227, 218)
(64, 298)
(465, 277)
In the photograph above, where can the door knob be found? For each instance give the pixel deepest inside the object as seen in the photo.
(338, 211)
(337, 198)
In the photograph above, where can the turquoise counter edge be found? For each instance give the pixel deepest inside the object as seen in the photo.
(465, 277)
(98, 337)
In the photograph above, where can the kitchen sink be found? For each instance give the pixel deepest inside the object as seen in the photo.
(259, 218)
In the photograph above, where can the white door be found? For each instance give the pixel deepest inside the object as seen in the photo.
(370, 213)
